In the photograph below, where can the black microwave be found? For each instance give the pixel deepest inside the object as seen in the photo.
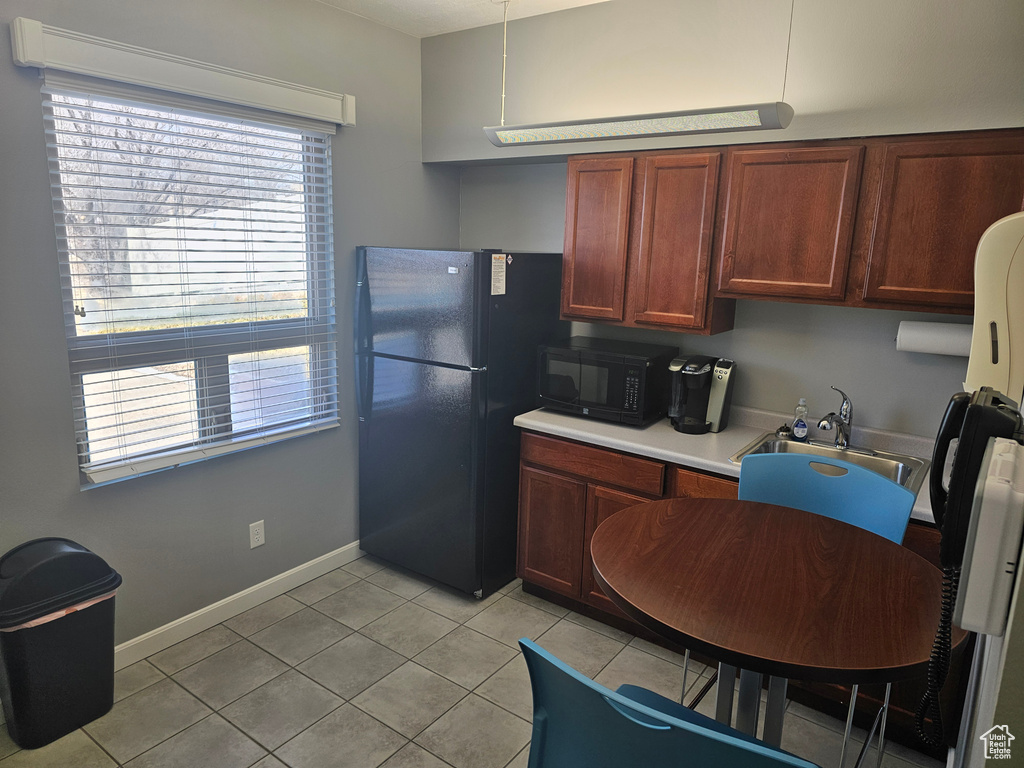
(605, 379)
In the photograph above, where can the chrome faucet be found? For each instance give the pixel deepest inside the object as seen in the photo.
(843, 422)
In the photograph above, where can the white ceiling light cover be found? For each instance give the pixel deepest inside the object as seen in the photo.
(751, 117)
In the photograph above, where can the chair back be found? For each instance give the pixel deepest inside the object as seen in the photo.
(856, 496)
(578, 723)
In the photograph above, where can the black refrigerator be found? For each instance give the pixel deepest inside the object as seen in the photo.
(446, 356)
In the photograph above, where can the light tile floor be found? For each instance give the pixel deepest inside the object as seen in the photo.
(369, 666)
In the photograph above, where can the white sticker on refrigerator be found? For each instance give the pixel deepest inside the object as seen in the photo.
(497, 274)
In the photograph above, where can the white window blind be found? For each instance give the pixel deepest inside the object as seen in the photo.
(196, 267)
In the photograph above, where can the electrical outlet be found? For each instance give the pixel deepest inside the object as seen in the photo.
(257, 535)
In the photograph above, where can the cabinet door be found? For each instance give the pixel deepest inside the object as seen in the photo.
(551, 509)
(695, 485)
(936, 198)
(788, 222)
(602, 503)
(596, 236)
(670, 286)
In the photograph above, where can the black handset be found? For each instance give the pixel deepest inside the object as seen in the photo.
(952, 423)
(988, 414)
(928, 717)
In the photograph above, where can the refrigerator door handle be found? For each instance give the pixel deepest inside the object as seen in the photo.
(364, 385)
(363, 319)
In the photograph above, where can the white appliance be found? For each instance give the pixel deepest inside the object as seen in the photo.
(997, 341)
(990, 589)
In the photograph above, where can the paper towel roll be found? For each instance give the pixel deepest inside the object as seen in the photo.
(935, 338)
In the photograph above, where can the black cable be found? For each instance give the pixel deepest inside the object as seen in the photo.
(938, 665)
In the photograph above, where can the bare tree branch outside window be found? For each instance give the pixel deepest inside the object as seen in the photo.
(133, 178)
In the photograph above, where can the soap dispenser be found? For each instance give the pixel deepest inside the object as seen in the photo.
(800, 421)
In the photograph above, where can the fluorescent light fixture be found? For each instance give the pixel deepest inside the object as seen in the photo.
(751, 117)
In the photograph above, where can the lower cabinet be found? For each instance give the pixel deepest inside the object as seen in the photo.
(567, 489)
(557, 519)
(602, 503)
(687, 484)
(551, 530)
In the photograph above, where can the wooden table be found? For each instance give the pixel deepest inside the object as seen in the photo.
(771, 590)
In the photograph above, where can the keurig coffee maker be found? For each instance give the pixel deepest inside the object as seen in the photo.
(701, 394)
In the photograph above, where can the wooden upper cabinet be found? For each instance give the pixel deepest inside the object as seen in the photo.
(787, 226)
(596, 237)
(671, 269)
(638, 241)
(655, 240)
(935, 199)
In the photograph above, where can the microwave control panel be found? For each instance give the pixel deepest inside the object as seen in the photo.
(632, 394)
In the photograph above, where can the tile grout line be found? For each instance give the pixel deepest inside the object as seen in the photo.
(212, 711)
(102, 748)
(171, 736)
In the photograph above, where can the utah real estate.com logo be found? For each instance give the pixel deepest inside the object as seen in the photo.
(997, 742)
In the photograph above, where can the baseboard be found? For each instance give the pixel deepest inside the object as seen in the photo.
(163, 637)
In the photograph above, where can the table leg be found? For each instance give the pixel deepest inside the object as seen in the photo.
(775, 710)
(749, 704)
(849, 725)
(723, 697)
(881, 730)
(686, 669)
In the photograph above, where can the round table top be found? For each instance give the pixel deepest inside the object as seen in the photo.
(772, 589)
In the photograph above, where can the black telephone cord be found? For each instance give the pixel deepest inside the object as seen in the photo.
(938, 665)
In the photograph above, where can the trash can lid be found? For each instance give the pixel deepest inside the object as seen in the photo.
(46, 575)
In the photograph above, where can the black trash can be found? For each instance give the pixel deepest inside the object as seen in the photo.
(56, 639)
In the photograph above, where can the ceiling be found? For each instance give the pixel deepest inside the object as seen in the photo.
(425, 18)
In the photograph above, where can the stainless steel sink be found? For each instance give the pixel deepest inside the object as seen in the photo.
(908, 471)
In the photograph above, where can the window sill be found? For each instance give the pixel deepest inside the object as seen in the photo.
(94, 477)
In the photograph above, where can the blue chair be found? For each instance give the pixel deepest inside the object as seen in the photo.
(842, 491)
(828, 487)
(578, 723)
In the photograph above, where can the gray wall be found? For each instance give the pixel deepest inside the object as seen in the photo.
(783, 351)
(180, 538)
(855, 68)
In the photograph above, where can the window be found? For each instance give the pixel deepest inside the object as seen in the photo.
(196, 268)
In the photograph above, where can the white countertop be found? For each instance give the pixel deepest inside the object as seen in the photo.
(708, 453)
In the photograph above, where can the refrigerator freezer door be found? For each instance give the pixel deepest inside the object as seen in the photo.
(421, 305)
(421, 470)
